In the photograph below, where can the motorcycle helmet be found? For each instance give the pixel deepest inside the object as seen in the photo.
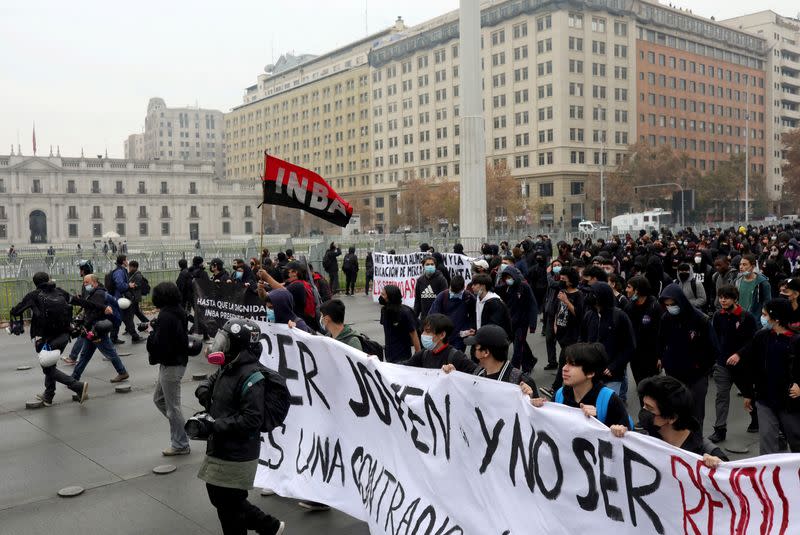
(103, 328)
(195, 346)
(235, 335)
(48, 357)
(124, 303)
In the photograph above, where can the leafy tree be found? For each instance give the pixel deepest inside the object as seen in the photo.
(503, 199)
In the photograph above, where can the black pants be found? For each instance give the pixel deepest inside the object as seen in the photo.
(550, 340)
(237, 515)
(53, 375)
(370, 278)
(127, 320)
(523, 356)
(137, 312)
(558, 382)
(350, 282)
(333, 278)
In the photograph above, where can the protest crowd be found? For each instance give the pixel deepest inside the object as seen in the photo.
(679, 310)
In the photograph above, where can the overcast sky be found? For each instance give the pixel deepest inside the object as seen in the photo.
(84, 70)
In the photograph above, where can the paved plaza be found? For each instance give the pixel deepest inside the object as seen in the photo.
(110, 445)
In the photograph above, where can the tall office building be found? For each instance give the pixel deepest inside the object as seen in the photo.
(782, 35)
(134, 147)
(188, 134)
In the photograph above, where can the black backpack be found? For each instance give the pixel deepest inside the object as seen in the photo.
(368, 345)
(145, 286)
(276, 396)
(54, 311)
(108, 282)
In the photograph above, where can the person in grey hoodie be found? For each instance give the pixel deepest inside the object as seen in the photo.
(754, 288)
(692, 288)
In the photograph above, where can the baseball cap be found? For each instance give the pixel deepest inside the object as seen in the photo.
(793, 284)
(483, 264)
(488, 335)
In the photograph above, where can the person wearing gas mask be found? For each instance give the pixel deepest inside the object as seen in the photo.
(50, 327)
(687, 345)
(97, 311)
(668, 414)
(428, 286)
(167, 347)
(233, 398)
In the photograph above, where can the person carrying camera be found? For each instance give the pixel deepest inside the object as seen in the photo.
(50, 327)
(234, 404)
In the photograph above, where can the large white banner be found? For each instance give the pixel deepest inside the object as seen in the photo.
(403, 270)
(415, 451)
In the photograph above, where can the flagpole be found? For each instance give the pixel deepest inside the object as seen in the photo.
(263, 193)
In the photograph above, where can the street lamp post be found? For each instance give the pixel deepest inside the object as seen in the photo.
(598, 111)
(747, 162)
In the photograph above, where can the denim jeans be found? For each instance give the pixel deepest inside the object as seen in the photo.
(53, 375)
(106, 347)
(620, 388)
(167, 398)
(77, 346)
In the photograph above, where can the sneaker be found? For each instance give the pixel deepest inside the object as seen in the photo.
(84, 393)
(121, 377)
(45, 402)
(267, 492)
(546, 392)
(753, 427)
(172, 452)
(313, 506)
(551, 366)
(280, 529)
(69, 361)
(143, 327)
(718, 435)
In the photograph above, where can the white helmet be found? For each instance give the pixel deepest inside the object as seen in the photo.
(49, 357)
(123, 303)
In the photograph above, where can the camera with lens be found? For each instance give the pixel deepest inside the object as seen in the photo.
(16, 326)
(198, 427)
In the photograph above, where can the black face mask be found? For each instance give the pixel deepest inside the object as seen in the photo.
(683, 277)
(381, 301)
(646, 421)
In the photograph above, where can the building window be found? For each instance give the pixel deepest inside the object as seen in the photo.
(97, 230)
(165, 211)
(164, 189)
(141, 190)
(576, 188)
(143, 212)
(120, 212)
(378, 202)
(142, 229)
(72, 212)
(96, 213)
(165, 229)
(72, 230)
(118, 187)
(71, 186)
(248, 227)
(121, 229)
(546, 189)
(226, 227)
(226, 211)
(36, 187)
(192, 188)
(95, 186)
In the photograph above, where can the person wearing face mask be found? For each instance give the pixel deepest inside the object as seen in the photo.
(518, 297)
(399, 325)
(233, 398)
(771, 378)
(790, 289)
(332, 320)
(734, 328)
(550, 309)
(754, 288)
(687, 345)
(218, 272)
(692, 288)
(458, 305)
(280, 309)
(428, 286)
(645, 315)
(489, 308)
(168, 347)
(792, 255)
(668, 414)
(436, 352)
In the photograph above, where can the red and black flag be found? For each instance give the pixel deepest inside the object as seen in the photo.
(289, 185)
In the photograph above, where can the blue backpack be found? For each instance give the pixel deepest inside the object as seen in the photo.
(601, 404)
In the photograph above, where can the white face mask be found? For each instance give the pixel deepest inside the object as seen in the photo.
(674, 310)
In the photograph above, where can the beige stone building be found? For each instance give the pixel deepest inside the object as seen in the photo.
(313, 111)
(783, 88)
(134, 147)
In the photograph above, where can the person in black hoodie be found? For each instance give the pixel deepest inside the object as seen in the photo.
(233, 398)
(687, 345)
(428, 286)
(645, 314)
(350, 269)
(44, 330)
(399, 325)
(603, 322)
(184, 284)
(197, 271)
(734, 328)
(369, 266)
(436, 352)
(518, 297)
(331, 266)
(168, 347)
(458, 305)
(771, 378)
(218, 272)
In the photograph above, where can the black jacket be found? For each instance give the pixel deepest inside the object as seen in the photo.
(520, 301)
(646, 320)
(222, 276)
(168, 344)
(430, 359)
(136, 293)
(350, 263)
(687, 343)
(31, 301)
(426, 290)
(734, 331)
(94, 306)
(495, 312)
(770, 368)
(184, 284)
(237, 416)
(612, 328)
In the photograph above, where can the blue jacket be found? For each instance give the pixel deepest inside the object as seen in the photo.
(120, 277)
(460, 311)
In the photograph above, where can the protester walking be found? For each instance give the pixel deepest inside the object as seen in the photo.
(428, 286)
(350, 269)
(331, 266)
(168, 348)
(399, 325)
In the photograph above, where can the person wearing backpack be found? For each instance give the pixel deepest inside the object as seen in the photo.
(693, 290)
(332, 320)
(234, 400)
(331, 266)
(350, 269)
(436, 352)
(50, 324)
(583, 388)
(118, 285)
(140, 287)
(168, 348)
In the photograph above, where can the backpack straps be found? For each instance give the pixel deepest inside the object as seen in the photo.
(559, 397)
(603, 397)
(252, 379)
